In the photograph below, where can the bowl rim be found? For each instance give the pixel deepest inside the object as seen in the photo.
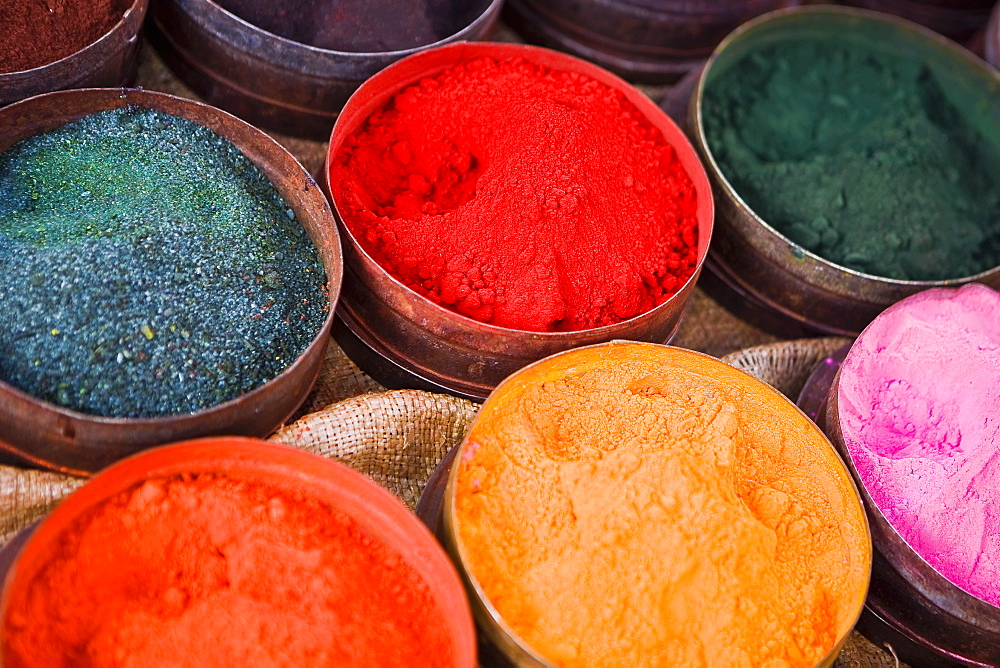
(229, 27)
(496, 627)
(373, 94)
(327, 245)
(820, 270)
(376, 510)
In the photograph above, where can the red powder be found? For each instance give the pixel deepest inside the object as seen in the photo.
(212, 571)
(520, 196)
(39, 32)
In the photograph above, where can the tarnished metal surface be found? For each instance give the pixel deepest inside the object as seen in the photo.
(50, 436)
(654, 42)
(109, 61)
(266, 79)
(396, 330)
(805, 291)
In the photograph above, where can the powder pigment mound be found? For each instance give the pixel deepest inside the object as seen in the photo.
(520, 196)
(860, 156)
(39, 32)
(636, 505)
(920, 414)
(149, 268)
(209, 570)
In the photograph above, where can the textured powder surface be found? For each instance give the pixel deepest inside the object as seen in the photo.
(919, 407)
(149, 268)
(212, 571)
(520, 196)
(39, 32)
(636, 505)
(860, 157)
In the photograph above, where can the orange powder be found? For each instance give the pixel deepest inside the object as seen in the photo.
(633, 504)
(215, 571)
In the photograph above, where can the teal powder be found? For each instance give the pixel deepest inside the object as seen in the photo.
(858, 157)
(149, 268)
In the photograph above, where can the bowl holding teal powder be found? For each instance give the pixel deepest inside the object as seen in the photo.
(855, 159)
(168, 272)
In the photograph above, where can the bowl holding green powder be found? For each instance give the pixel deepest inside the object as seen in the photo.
(169, 272)
(856, 159)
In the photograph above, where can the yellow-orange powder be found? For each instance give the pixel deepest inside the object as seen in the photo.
(633, 504)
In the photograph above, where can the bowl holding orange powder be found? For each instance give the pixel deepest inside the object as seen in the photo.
(635, 504)
(233, 552)
(500, 203)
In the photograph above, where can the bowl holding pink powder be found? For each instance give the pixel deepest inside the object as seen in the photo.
(916, 407)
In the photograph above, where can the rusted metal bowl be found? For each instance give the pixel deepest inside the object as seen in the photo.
(268, 80)
(763, 275)
(500, 643)
(957, 20)
(403, 339)
(376, 512)
(648, 41)
(111, 60)
(991, 47)
(51, 436)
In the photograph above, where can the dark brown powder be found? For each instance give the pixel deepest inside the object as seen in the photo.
(39, 32)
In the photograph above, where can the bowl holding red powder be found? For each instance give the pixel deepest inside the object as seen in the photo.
(500, 203)
(62, 44)
(224, 551)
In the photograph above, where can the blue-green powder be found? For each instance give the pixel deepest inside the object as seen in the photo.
(149, 268)
(859, 156)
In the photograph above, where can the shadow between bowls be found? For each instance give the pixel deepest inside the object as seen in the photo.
(911, 609)
(49, 436)
(111, 60)
(378, 513)
(271, 81)
(403, 338)
(755, 268)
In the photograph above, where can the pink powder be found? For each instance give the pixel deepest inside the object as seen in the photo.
(919, 401)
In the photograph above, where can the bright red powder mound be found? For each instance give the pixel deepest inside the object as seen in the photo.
(212, 571)
(520, 196)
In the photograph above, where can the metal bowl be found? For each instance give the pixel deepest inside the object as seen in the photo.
(804, 291)
(650, 41)
(405, 340)
(48, 435)
(269, 80)
(377, 512)
(499, 643)
(111, 60)
(991, 48)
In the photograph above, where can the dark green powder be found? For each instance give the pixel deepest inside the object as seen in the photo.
(149, 268)
(858, 157)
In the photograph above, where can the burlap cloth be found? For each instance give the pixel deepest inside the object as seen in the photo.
(396, 438)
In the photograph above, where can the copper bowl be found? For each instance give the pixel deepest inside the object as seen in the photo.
(111, 60)
(405, 340)
(269, 80)
(797, 288)
(377, 512)
(51, 436)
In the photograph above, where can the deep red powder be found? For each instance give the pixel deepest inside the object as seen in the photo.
(521, 196)
(39, 32)
(213, 571)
